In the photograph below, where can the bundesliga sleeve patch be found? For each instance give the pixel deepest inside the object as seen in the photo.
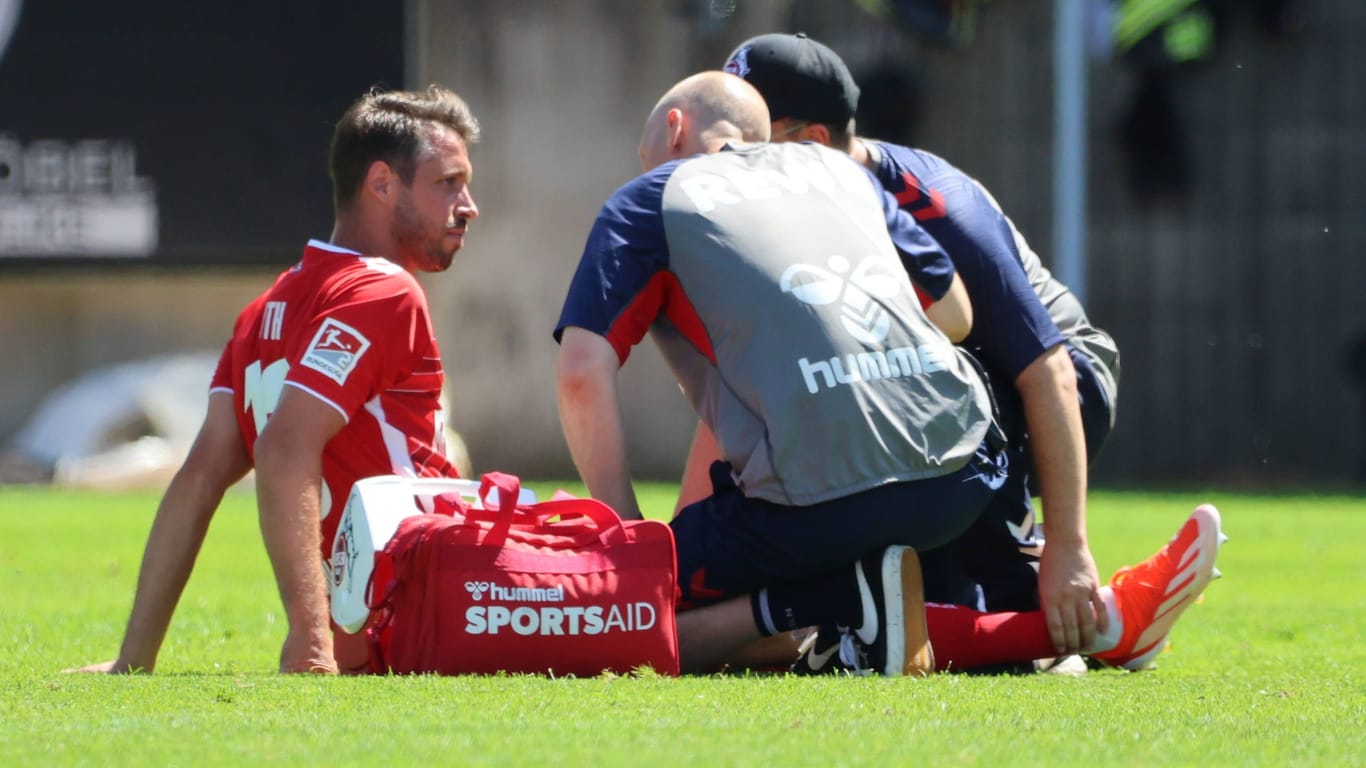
(335, 350)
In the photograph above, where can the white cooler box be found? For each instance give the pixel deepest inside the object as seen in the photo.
(373, 511)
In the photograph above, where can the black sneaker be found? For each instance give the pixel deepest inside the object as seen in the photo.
(894, 634)
(830, 650)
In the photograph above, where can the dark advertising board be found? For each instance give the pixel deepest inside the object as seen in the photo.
(175, 134)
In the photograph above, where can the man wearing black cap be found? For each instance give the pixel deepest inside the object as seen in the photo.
(1029, 330)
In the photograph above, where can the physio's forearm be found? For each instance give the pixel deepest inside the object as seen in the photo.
(593, 429)
(1057, 442)
(590, 415)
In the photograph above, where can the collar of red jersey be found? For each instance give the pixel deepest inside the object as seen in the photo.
(320, 245)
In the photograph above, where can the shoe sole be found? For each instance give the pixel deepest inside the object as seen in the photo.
(1207, 542)
(904, 607)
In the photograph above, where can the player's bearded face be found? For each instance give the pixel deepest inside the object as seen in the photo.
(423, 236)
(432, 212)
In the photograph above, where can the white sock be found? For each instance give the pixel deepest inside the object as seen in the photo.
(1111, 637)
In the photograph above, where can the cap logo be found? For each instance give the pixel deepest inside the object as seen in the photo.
(739, 63)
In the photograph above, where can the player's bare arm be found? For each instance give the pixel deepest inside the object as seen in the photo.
(952, 314)
(288, 476)
(215, 461)
(590, 414)
(1068, 582)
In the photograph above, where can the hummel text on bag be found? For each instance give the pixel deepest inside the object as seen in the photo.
(477, 590)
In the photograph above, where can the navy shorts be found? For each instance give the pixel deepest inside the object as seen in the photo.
(994, 565)
(729, 544)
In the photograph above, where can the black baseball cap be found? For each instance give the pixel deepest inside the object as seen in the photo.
(798, 77)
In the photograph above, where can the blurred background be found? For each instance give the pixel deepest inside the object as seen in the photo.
(1198, 164)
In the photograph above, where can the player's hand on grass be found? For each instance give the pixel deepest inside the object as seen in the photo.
(112, 667)
(1069, 593)
(308, 653)
(309, 667)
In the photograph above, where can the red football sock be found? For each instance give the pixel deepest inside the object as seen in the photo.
(967, 639)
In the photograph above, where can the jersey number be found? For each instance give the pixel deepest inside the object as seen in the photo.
(263, 390)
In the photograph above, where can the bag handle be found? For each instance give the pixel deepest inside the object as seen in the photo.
(470, 492)
(608, 524)
(509, 491)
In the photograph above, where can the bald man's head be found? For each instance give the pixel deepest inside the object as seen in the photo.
(700, 114)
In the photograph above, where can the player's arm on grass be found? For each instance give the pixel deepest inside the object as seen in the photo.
(1069, 587)
(288, 480)
(590, 414)
(216, 461)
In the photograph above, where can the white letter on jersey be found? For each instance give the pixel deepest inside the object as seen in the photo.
(798, 178)
(754, 186)
(707, 190)
(272, 320)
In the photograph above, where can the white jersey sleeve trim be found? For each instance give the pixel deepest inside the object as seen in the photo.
(345, 417)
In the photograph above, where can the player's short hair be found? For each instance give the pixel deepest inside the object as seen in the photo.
(392, 126)
(841, 133)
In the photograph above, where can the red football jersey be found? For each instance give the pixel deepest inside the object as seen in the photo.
(354, 332)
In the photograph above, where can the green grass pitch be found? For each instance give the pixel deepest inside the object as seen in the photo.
(1270, 669)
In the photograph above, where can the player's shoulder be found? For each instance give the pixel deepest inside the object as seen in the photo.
(332, 277)
(642, 195)
(657, 177)
(790, 159)
(377, 282)
(344, 270)
(921, 163)
(761, 153)
(962, 195)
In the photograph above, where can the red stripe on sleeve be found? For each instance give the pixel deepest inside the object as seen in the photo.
(925, 299)
(935, 209)
(910, 190)
(910, 193)
(662, 295)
